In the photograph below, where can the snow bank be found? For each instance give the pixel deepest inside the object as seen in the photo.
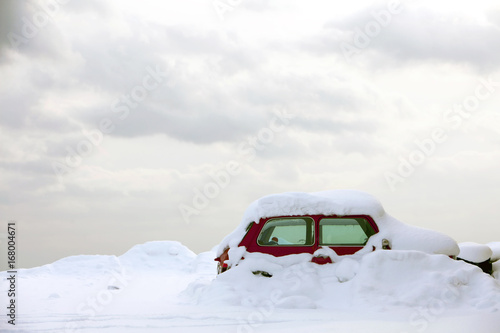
(157, 270)
(164, 287)
(155, 255)
(343, 202)
(496, 270)
(474, 252)
(378, 281)
(159, 255)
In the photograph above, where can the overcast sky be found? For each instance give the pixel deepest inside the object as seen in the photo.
(124, 122)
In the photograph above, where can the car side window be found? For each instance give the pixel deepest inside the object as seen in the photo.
(344, 231)
(287, 232)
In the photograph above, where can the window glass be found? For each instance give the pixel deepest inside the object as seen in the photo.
(344, 231)
(287, 232)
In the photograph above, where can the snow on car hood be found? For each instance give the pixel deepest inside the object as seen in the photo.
(344, 202)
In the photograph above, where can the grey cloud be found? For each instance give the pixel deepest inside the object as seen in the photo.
(238, 60)
(116, 63)
(334, 125)
(113, 65)
(10, 13)
(197, 111)
(28, 27)
(20, 111)
(25, 183)
(443, 40)
(28, 168)
(16, 110)
(202, 127)
(190, 41)
(417, 34)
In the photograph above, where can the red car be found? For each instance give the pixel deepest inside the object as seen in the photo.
(344, 221)
(285, 235)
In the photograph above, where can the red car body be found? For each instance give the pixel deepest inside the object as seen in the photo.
(286, 235)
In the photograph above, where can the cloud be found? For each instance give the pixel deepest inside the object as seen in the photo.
(10, 12)
(218, 89)
(202, 128)
(443, 38)
(417, 33)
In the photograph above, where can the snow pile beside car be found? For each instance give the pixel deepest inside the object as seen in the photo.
(378, 281)
(86, 285)
(495, 249)
(475, 252)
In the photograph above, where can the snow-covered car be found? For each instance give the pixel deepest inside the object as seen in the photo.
(324, 225)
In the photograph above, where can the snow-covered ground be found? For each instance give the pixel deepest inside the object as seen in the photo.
(164, 287)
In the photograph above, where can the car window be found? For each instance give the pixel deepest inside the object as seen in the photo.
(287, 232)
(344, 231)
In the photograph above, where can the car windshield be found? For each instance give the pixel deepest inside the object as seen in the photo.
(344, 231)
(287, 232)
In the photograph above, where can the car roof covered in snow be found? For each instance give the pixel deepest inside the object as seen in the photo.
(335, 202)
(342, 202)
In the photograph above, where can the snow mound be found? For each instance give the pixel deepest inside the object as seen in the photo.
(474, 252)
(496, 270)
(81, 266)
(160, 255)
(495, 248)
(379, 280)
(154, 255)
(343, 202)
(154, 273)
(404, 290)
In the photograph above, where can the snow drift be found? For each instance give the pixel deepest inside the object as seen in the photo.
(164, 287)
(377, 281)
